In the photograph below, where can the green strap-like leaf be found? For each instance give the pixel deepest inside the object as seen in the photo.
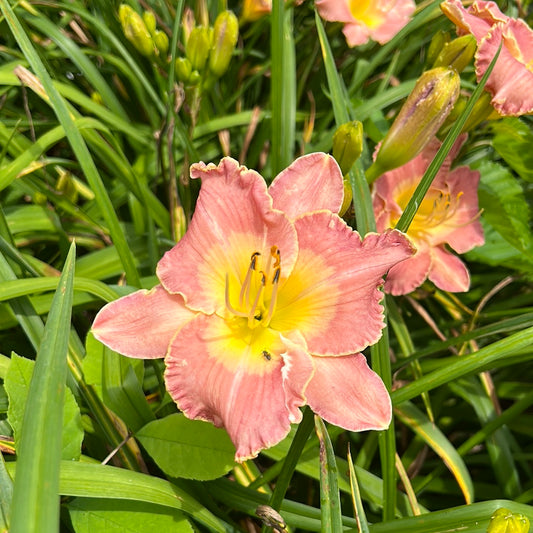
(35, 506)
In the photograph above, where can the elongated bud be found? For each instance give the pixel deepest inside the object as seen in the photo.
(437, 43)
(458, 53)
(225, 35)
(348, 144)
(135, 30)
(418, 121)
(149, 21)
(505, 521)
(198, 46)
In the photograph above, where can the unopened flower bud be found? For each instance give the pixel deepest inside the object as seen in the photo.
(135, 30)
(183, 69)
(458, 53)
(161, 41)
(505, 521)
(348, 144)
(198, 47)
(437, 43)
(347, 198)
(149, 21)
(418, 121)
(225, 35)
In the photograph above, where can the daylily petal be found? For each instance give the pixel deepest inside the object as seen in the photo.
(141, 324)
(406, 276)
(346, 392)
(233, 219)
(334, 11)
(512, 78)
(448, 272)
(476, 20)
(395, 18)
(462, 230)
(332, 297)
(313, 182)
(248, 386)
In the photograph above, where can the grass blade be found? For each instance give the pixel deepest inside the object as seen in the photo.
(35, 505)
(330, 504)
(78, 144)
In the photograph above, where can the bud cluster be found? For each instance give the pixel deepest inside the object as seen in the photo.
(208, 49)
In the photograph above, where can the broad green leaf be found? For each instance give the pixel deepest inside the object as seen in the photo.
(437, 441)
(35, 507)
(90, 515)
(17, 385)
(513, 140)
(188, 448)
(499, 252)
(504, 206)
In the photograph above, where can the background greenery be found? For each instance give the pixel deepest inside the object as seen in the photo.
(95, 144)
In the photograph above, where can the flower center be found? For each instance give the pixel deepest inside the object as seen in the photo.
(436, 209)
(259, 290)
(366, 12)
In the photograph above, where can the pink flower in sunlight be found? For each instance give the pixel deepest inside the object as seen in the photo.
(255, 9)
(511, 80)
(379, 20)
(264, 305)
(448, 215)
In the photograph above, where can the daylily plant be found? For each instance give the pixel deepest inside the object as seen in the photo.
(379, 20)
(447, 216)
(511, 80)
(264, 305)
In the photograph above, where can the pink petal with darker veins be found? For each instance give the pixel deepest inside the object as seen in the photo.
(311, 183)
(448, 272)
(233, 219)
(254, 396)
(141, 324)
(346, 392)
(332, 297)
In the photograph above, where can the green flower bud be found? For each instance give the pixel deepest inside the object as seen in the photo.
(161, 41)
(149, 21)
(457, 53)
(225, 35)
(437, 43)
(418, 121)
(183, 69)
(135, 30)
(505, 521)
(348, 144)
(198, 46)
(347, 198)
(195, 78)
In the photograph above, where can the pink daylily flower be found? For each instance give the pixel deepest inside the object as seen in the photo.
(512, 78)
(379, 20)
(264, 306)
(447, 216)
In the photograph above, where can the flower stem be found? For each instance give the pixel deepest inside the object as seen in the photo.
(291, 460)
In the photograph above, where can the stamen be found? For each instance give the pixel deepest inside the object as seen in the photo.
(273, 297)
(229, 307)
(245, 289)
(251, 315)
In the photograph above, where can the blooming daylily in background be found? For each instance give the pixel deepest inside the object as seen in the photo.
(379, 20)
(448, 215)
(255, 9)
(511, 80)
(264, 305)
